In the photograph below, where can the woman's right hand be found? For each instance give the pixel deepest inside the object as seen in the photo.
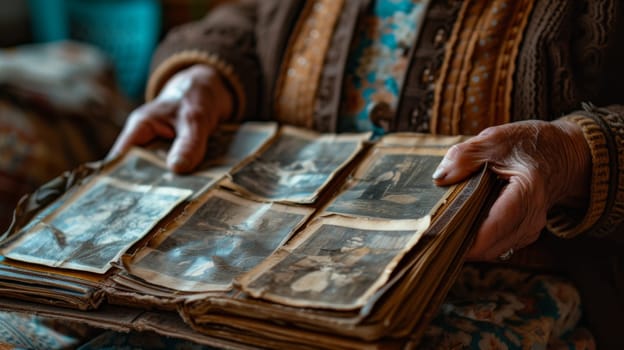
(187, 109)
(546, 164)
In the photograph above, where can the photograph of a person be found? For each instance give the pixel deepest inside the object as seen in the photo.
(223, 237)
(393, 185)
(336, 263)
(232, 143)
(97, 227)
(296, 166)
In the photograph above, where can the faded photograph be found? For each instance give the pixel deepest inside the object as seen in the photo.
(335, 266)
(95, 229)
(393, 186)
(141, 168)
(231, 144)
(295, 168)
(225, 237)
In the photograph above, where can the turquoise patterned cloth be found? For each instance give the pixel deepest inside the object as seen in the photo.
(378, 61)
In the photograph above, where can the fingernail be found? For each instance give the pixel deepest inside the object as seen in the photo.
(440, 171)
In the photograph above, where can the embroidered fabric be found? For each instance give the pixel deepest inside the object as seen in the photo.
(298, 81)
(377, 61)
(475, 85)
(426, 57)
(328, 96)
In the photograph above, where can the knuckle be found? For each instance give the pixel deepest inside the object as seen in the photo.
(455, 150)
(193, 114)
(489, 131)
(189, 143)
(495, 136)
(462, 149)
(140, 115)
(136, 116)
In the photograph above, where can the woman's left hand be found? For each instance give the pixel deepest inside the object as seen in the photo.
(545, 163)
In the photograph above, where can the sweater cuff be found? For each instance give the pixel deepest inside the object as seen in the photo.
(188, 58)
(566, 223)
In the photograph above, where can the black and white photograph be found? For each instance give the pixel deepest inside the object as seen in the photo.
(336, 263)
(223, 238)
(297, 165)
(96, 227)
(391, 185)
(233, 143)
(144, 168)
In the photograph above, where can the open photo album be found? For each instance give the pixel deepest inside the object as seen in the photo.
(282, 238)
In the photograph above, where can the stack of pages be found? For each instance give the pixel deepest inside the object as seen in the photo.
(283, 238)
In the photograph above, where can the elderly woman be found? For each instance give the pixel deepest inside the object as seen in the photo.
(444, 67)
(513, 73)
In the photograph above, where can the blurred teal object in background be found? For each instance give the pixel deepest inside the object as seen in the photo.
(48, 20)
(127, 30)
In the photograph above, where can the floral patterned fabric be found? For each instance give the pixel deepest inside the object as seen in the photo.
(504, 308)
(378, 61)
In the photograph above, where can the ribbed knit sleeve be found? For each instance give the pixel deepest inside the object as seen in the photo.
(224, 39)
(603, 129)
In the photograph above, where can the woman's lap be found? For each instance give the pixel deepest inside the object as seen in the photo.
(504, 308)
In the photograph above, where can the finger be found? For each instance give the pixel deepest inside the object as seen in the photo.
(144, 125)
(499, 230)
(189, 147)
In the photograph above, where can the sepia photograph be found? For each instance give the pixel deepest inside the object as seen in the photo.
(335, 262)
(96, 227)
(297, 165)
(391, 184)
(220, 238)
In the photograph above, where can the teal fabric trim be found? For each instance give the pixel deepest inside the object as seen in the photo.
(378, 61)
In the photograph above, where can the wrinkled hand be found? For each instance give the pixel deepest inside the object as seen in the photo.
(188, 110)
(546, 164)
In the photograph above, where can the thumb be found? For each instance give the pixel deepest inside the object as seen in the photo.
(461, 161)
